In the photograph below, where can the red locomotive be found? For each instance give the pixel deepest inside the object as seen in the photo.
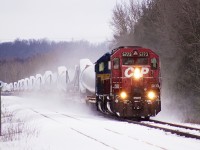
(128, 82)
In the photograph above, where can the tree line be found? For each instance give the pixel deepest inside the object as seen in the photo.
(22, 58)
(172, 29)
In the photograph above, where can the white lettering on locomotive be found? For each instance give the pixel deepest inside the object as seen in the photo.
(129, 72)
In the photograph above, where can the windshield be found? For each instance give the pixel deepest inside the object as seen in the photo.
(135, 61)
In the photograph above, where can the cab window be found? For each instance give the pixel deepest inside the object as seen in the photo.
(141, 61)
(101, 67)
(128, 61)
(135, 61)
(116, 63)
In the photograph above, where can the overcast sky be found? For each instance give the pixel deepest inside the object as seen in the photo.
(56, 19)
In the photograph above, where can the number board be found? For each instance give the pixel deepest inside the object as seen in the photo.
(130, 54)
(127, 54)
(143, 54)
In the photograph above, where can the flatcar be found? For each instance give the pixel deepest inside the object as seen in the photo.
(128, 82)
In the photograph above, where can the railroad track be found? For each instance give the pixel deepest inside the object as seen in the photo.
(174, 125)
(93, 138)
(178, 128)
(72, 128)
(156, 125)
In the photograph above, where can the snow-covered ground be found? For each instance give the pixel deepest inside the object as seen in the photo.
(56, 123)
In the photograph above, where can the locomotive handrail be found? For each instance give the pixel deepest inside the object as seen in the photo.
(129, 77)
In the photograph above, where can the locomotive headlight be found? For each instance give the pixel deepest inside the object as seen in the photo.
(151, 95)
(137, 73)
(123, 95)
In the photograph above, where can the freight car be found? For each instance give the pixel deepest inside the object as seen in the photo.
(128, 82)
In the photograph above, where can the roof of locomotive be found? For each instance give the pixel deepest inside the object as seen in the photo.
(105, 57)
(134, 48)
(120, 47)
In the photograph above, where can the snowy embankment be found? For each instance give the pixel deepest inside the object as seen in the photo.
(56, 123)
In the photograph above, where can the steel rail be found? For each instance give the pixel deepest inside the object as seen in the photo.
(180, 133)
(173, 131)
(174, 125)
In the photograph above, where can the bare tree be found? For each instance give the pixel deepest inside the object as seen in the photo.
(172, 29)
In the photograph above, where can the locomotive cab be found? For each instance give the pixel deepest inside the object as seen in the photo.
(128, 82)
